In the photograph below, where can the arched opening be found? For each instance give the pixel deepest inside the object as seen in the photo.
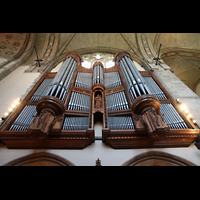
(157, 158)
(40, 159)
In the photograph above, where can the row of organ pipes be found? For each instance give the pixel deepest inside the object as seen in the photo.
(120, 122)
(112, 80)
(75, 123)
(117, 101)
(79, 101)
(83, 80)
(24, 119)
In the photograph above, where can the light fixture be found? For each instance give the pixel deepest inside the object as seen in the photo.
(16, 102)
(194, 121)
(189, 116)
(183, 107)
(11, 108)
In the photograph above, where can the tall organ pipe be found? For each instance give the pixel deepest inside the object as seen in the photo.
(61, 83)
(133, 79)
(98, 74)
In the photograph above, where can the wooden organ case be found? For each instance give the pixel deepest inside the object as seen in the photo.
(135, 109)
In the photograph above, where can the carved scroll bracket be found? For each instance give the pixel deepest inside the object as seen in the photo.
(48, 108)
(148, 107)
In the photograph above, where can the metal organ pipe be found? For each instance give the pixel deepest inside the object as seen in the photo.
(98, 74)
(83, 80)
(61, 83)
(133, 79)
(117, 101)
(120, 122)
(24, 119)
(79, 101)
(112, 80)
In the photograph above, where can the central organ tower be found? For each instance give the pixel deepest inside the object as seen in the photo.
(134, 108)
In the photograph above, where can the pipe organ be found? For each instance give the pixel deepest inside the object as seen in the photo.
(62, 108)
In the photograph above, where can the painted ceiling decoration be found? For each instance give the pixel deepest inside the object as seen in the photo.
(12, 44)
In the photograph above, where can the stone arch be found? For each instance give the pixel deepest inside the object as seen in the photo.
(98, 49)
(40, 159)
(157, 158)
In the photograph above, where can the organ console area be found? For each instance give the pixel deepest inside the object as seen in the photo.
(135, 109)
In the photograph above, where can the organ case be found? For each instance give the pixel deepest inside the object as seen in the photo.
(135, 109)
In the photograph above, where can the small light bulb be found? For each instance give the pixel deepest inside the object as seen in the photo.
(189, 116)
(186, 111)
(177, 100)
(6, 114)
(13, 105)
(16, 102)
(194, 121)
(183, 107)
(10, 109)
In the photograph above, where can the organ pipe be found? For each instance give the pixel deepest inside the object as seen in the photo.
(61, 82)
(98, 73)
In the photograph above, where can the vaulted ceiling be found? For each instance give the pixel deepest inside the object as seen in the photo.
(50, 46)
(12, 44)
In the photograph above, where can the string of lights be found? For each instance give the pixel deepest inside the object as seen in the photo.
(10, 110)
(183, 107)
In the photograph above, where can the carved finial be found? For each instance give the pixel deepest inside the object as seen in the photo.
(98, 162)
